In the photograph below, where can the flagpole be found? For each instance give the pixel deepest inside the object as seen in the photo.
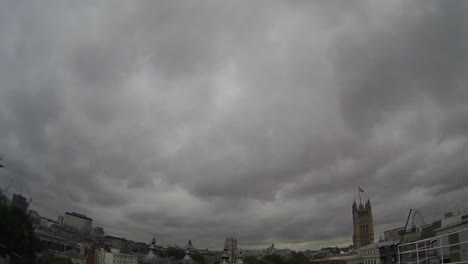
(359, 190)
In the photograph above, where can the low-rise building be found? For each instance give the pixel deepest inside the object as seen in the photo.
(393, 234)
(454, 231)
(115, 257)
(370, 254)
(349, 259)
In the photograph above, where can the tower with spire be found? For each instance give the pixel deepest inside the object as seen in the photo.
(363, 224)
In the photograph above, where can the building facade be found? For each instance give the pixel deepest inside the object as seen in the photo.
(80, 222)
(454, 231)
(370, 254)
(363, 225)
(115, 257)
(60, 219)
(394, 234)
(231, 246)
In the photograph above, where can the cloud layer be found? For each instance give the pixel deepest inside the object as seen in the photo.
(194, 119)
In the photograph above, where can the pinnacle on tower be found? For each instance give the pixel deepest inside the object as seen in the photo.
(240, 258)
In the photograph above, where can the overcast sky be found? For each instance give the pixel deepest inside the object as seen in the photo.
(195, 119)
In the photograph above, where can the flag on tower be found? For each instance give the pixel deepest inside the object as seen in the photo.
(361, 190)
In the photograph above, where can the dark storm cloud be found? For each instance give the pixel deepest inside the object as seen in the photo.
(192, 120)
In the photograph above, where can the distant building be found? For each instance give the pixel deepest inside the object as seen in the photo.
(258, 253)
(284, 253)
(454, 229)
(350, 259)
(363, 225)
(115, 257)
(270, 250)
(34, 217)
(46, 222)
(231, 246)
(80, 222)
(74, 256)
(20, 202)
(371, 254)
(115, 242)
(97, 233)
(393, 234)
(60, 219)
(388, 252)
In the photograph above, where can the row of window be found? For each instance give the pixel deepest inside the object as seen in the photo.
(370, 252)
(364, 229)
(371, 261)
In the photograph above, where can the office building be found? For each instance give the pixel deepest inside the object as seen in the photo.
(79, 222)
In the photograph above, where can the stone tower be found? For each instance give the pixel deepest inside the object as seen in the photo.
(363, 225)
(231, 246)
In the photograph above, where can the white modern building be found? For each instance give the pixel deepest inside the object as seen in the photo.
(115, 257)
(77, 221)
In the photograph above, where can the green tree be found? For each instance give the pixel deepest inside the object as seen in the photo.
(250, 260)
(297, 258)
(274, 259)
(175, 253)
(199, 258)
(17, 233)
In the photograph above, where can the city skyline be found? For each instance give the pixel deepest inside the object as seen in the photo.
(193, 120)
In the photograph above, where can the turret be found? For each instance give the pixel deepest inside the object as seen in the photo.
(240, 258)
(225, 257)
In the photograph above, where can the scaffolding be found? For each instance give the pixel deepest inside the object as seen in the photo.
(447, 248)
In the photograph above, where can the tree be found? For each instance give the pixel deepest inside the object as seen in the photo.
(199, 258)
(17, 232)
(274, 259)
(250, 260)
(298, 258)
(175, 253)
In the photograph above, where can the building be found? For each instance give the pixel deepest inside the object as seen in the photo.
(74, 256)
(388, 252)
(34, 217)
(270, 250)
(80, 222)
(115, 242)
(231, 246)
(370, 254)
(97, 233)
(114, 256)
(363, 224)
(350, 259)
(284, 253)
(393, 234)
(443, 241)
(385, 252)
(20, 202)
(46, 222)
(454, 230)
(258, 253)
(60, 219)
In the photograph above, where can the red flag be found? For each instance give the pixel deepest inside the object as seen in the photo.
(361, 190)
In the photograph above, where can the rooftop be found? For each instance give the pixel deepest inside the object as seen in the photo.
(82, 216)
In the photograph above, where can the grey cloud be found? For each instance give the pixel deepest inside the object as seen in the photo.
(191, 120)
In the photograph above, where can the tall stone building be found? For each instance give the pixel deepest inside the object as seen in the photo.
(231, 246)
(363, 225)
